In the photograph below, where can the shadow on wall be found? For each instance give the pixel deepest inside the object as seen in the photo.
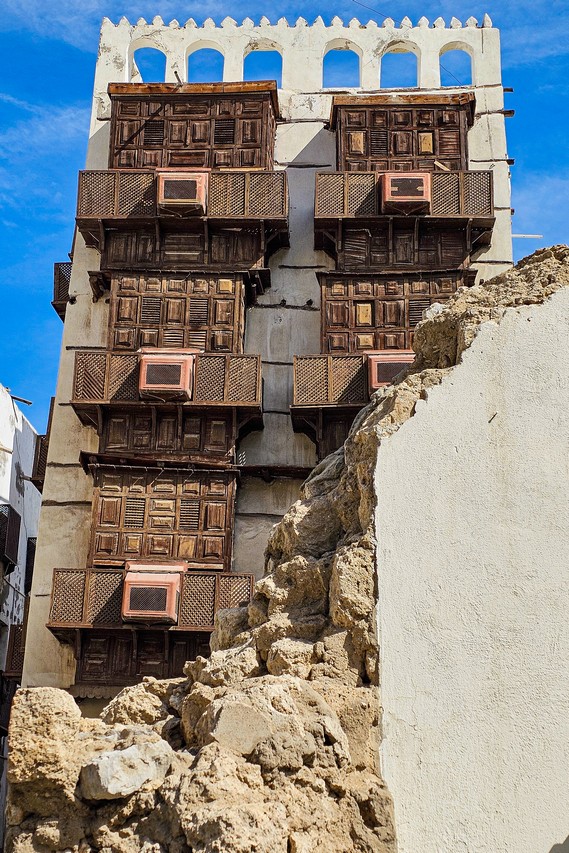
(561, 848)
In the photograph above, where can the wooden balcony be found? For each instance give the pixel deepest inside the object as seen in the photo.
(338, 381)
(61, 280)
(92, 598)
(127, 197)
(40, 461)
(221, 381)
(329, 390)
(357, 195)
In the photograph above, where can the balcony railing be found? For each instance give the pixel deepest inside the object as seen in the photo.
(219, 380)
(61, 281)
(358, 194)
(92, 598)
(129, 194)
(330, 380)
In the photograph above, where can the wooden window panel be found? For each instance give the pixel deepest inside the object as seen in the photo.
(250, 131)
(363, 288)
(148, 337)
(117, 435)
(338, 342)
(151, 159)
(449, 143)
(364, 341)
(217, 435)
(394, 313)
(187, 158)
(403, 248)
(106, 544)
(126, 159)
(191, 439)
(131, 544)
(200, 132)
(356, 118)
(425, 118)
(187, 547)
(177, 132)
(127, 309)
(150, 657)
(221, 341)
(421, 287)
(357, 143)
(401, 118)
(167, 430)
(215, 516)
(402, 142)
(175, 310)
(224, 312)
(109, 512)
(213, 547)
(378, 118)
(390, 340)
(337, 313)
(223, 158)
(250, 158)
(426, 143)
(124, 339)
(158, 545)
(364, 313)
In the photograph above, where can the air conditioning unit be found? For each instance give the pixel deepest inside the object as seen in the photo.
(383, 365)
(151, 592)
(166, 374)
(406, 191)
(183, 191)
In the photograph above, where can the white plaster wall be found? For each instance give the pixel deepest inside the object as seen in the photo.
(17, 448)
(473, 525)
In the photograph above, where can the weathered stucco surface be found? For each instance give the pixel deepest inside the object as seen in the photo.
(472, 527)
(273, 743)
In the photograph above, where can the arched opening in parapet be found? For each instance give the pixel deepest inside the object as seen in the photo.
(399, 68)
(341, 66)
(150, 64)
(205, 65)
(264, 65)
(456, 66)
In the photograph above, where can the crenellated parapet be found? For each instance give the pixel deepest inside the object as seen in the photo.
(302, 47)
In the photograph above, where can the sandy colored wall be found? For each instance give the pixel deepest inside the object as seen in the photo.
(472, 524)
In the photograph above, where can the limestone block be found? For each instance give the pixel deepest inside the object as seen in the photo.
(225, 667)
(291, 657)
(117, 774)
(229, 624)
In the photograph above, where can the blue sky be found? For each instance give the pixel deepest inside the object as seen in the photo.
(47, 60)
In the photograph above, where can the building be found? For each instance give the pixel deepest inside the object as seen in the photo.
(249, 266)
(20, 499)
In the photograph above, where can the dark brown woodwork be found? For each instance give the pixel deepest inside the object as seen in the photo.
(349, 195)
(366, 312)
(92, 598)
(40, 453)
(15, 652)
(225, 249)
(162, 514)
(102, 378)
(204, 437)
(180, 311)
(10, 522)
(378, 136)
(329, 380)
(185, 127)
(61, 281)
